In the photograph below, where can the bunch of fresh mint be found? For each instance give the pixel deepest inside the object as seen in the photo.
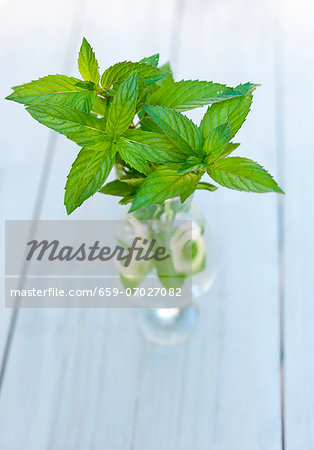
(131, 118)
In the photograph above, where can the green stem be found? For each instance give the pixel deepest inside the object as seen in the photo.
(168, 211)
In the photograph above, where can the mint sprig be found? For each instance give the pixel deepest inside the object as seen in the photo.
(131, 118)
(87, 63)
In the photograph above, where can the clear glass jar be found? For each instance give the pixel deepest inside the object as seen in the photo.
(171, 325)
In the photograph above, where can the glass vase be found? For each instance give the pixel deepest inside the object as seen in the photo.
(171, 325)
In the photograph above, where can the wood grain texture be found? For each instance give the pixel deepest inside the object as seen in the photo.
(297, 40)
(86, 379)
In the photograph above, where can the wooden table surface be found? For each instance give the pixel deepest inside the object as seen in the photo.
(86, 379)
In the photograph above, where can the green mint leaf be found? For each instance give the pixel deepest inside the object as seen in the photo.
(133, 179)
(216, 142)
(163, 183)
(246, 88)
(242, 174)
(190, 94)
(158, 148)
(54, 89)
(49, 84)
(118, 188)
(147, 124)
(127, 199)
(168, 79)
(87, 63)
(147, 74)
(74, 124)
(134, 155)
(122, 108)
(100, 107)
(88, 173)
(192, 164)
(189, 186)
(95, 141)
(82, 101)
(147, 90)
(152, 60)
(89, 85)
(228, 150)
(180, 130)
(233, 111)
(206, 186)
